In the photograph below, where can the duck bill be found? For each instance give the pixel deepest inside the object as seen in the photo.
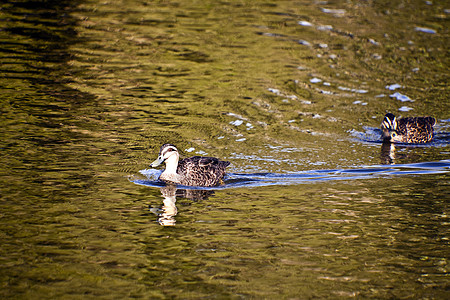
(157, 162)
(386, 135)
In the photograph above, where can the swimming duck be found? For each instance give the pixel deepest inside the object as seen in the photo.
(193, 171)
(407, 130)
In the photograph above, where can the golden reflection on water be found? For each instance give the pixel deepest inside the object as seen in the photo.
(169, 210)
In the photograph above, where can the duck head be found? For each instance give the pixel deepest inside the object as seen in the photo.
(389, 127)
(168, 153)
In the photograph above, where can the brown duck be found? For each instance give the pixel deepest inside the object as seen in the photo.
(192, 171)
(407, 130)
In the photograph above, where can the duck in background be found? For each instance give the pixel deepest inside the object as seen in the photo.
(413, 130)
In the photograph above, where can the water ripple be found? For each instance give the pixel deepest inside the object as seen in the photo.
(238, 180)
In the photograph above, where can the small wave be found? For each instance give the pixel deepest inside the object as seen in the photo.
(370, 135)
(426, 30)
(401, 97)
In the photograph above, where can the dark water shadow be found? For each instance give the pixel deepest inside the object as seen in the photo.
(36, 50)
(45, 117)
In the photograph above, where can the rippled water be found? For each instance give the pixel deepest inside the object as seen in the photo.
(290, 92)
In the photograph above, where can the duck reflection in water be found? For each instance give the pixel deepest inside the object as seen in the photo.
(166, 215)
(398, 153)
(387, 153)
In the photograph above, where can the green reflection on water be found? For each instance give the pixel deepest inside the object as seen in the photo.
(90, 90)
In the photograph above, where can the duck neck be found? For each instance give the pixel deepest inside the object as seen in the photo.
(172, 164)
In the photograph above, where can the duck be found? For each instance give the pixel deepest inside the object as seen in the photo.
(193, 171)
(412, 130)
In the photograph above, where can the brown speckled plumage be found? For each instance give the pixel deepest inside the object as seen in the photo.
(204, 171)
(407, 130)
(192, 171)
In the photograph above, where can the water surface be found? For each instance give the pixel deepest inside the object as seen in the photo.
(290, 92)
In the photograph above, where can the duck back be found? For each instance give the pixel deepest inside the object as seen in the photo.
(417, 129)
(201, 171)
